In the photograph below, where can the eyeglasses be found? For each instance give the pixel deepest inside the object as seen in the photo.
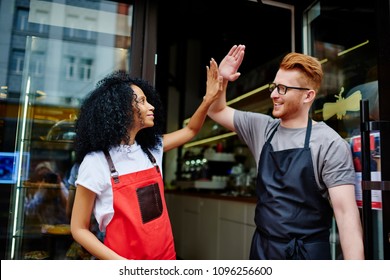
(282, 89)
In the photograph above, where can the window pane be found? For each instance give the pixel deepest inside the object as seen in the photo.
(57, 52)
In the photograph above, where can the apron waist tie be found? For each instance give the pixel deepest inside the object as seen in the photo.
(295, 248)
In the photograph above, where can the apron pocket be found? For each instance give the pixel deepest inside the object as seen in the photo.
(150, 203)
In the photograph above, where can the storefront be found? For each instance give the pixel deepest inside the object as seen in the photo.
(54, 51)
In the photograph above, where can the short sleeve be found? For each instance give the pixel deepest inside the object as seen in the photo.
(338, 166)
(94, 173)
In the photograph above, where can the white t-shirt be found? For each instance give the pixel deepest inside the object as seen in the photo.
(94, 174)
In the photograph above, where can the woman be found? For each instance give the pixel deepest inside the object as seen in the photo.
(120, 145)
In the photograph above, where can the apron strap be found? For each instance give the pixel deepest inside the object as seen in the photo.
(114, 173)
(151, 158)
(272, 133)
(308, 133)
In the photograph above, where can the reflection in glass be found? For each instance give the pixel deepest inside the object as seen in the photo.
(65, 50)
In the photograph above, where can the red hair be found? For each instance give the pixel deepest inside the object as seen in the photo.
(309, 66)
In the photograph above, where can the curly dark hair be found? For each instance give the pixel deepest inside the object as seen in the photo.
(107, 113)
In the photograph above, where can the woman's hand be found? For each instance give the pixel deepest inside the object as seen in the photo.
(214, 81)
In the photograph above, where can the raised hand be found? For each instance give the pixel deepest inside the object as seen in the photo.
(214, 80)
(231, 62)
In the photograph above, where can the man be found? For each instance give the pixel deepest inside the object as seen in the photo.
(305, 169)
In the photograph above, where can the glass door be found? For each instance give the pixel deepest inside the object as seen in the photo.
(343, 37)
(67, 49)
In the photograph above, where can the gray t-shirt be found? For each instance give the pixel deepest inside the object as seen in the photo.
(331, 154)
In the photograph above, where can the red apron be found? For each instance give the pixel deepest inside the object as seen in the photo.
(140, 228)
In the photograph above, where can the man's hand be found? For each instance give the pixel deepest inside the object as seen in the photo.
(231, 62)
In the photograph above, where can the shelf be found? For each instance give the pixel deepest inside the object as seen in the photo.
(209, 140)
(39, 185)
(52, 145)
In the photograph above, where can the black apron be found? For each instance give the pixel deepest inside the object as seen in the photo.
(293, 219)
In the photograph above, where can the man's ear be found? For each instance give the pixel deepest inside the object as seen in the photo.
(310, 96)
